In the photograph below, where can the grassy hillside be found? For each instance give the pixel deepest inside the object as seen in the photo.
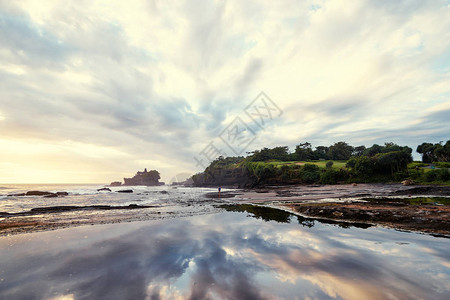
(341, 163)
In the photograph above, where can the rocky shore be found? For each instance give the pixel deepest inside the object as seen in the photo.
(396, 214)
(419, 208)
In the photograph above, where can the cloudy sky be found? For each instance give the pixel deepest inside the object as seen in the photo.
(92, 91)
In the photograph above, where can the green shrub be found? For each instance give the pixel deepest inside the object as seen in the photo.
(442, 164)
(415, 174)
(310, 173)
(289, 172)
(365, 166)
(431, 176)
(418, 164)
(437, 175)
(310, 177)
(399, 176)
(443, 174)
(310, 168)
(344, 174)
(329, 176)
(351, 163)
(329, 164)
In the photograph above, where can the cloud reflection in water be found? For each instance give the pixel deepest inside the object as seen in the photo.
(223, 256)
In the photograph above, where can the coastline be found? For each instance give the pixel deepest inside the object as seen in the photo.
(342, 203)
(388, 206)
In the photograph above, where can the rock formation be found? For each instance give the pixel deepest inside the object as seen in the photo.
(148, 178)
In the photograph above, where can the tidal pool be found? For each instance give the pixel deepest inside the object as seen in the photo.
(225, 255)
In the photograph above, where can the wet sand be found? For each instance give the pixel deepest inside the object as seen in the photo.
(51, 219)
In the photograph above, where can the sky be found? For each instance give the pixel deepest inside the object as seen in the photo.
(93, 91)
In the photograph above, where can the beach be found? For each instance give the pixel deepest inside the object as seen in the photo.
(224, 255)
(188, 243)
(87, 206)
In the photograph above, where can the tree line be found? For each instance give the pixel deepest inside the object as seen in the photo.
(438, 152)
(430, 152)
(378, 163)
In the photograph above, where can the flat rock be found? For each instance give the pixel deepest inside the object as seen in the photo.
(125, 191)
(37, 193)
(51, 196)
(425, 190)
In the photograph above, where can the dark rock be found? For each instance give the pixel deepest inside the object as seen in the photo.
(51, 196)
(53, 208)
(222, 195)
(125, 191)
(362, 195)
(57, 194)
(17, 195)
(104, 189)
(163, 192)
(37, 193)
(425, 190)
(116, 183)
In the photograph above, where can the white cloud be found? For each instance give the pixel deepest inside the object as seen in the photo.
(159, 80)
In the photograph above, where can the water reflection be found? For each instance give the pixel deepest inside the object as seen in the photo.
(272, 214)
(224, 256)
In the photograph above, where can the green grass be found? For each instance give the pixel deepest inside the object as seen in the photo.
(337, 164)
(416, 164)
(436, 182)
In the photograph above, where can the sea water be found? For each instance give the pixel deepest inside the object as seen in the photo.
(224, 255)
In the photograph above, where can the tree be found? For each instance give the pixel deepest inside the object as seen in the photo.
(426, 150)
(359, 150)
(434, 152)
(442, 152)
(265, 154)
(394, 161)
(304, 151)
(340, 151)
(374, 150)
(320, 152)
(365, 166)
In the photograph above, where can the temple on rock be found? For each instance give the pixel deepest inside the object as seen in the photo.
(148, 178)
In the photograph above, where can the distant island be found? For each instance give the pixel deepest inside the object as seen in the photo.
(147, 178)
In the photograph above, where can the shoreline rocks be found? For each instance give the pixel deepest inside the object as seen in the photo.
(40, 193)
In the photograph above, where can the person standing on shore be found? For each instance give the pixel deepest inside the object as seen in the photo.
(219, 189)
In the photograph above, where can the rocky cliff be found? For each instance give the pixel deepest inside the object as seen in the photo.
(148, 178)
